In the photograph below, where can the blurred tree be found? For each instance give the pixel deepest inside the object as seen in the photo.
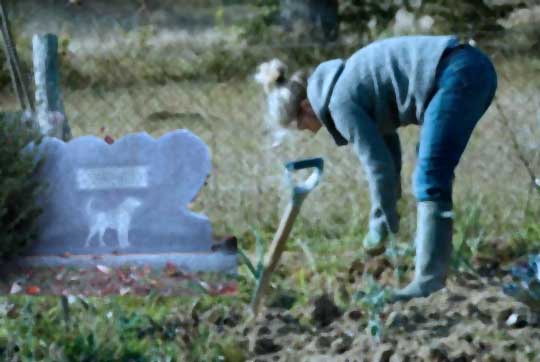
(19, 189)
(367, 17)
(472, 18)
(464, 17)
(318, 18)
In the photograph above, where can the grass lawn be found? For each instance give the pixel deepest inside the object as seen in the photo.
(496, 221)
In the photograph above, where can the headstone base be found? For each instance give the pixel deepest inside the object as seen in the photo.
(189, 262)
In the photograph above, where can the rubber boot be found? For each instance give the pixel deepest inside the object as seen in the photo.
(433, 250)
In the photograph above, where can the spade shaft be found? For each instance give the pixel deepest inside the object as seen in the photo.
(299, 193)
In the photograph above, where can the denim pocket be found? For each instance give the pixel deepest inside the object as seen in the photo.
(468, 69)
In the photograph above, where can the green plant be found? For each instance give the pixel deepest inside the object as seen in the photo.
(19, 210)
(256, 29)
(373, 298)
(24, 50)
(254, 270)
(462, 17)
(469, 235)
(398, 254)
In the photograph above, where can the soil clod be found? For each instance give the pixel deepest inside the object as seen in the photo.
(263, 331)
(384, 353)
(342, 344)
(396, 320)
(324, 342)
(284, 300)
(355, 315)
(266, 346)
(376, 266)
(325, 311)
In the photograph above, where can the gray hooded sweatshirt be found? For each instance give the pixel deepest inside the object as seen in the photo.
(364, 99)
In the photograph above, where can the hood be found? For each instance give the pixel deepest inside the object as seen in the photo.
(319, 90)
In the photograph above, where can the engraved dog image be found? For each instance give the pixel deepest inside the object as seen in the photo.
(117, 219)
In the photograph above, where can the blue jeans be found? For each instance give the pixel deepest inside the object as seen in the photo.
(464, 88)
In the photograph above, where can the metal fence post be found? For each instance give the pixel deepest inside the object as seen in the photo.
(48, 101)
(48, 92)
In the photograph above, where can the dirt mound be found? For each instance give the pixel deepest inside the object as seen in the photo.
(470, 320)
(325, 311)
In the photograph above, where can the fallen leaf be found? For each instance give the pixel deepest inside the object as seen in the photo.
(33, 290)
(13, 312)
(15, 288)
(5, 307)
(108, 290)
(172, 271)
(104, 269)
(146, 270)
(204, 286)
(61, 275)
(227, 289)
(134, 276)
(123, 277)
(141, 290)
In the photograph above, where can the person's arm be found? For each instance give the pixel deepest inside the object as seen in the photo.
(394, 146)
(377, 162)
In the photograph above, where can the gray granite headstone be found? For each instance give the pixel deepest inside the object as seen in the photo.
(127, 198)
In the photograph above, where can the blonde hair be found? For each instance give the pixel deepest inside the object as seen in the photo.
(283, 95)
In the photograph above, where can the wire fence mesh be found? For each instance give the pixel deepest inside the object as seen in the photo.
(154, 67)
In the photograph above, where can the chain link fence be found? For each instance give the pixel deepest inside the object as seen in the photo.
(153, 67)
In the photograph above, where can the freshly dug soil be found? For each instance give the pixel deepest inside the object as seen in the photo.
(470, 320)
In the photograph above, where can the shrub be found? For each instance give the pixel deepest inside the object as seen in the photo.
(24, 51)
(19, 210)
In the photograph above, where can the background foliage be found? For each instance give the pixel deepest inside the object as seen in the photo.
(19, 211)
(154, 66)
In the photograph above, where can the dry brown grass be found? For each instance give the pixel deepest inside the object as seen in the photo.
(246, 188)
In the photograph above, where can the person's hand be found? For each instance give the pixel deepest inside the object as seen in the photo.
(374, 242)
